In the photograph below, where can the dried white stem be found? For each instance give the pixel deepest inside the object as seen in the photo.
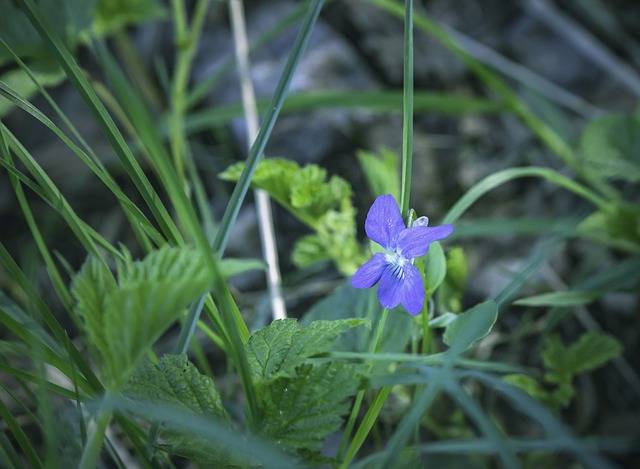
(263, 204)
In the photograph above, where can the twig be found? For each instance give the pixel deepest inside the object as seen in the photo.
(263, 204)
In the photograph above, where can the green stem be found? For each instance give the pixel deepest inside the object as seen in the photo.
(407, 160)
(374, 346)
(426, 330)
(407, 109)
(186, 42)
(91, 452)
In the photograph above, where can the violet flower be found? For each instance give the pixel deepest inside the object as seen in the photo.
(400, 281)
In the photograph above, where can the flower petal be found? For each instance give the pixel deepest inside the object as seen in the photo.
(390, 289)
(369, 273)
(414, 242)
(407, 289)
(384, 221)
(412, 290)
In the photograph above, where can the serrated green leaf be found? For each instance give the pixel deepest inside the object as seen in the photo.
(112, 15)
(382, 171)
(151, 295)
(322, 203)
(346, 302)
(90, 287)
(124, 318)
(277, 349)
(610, 146)
(301, 410)
(471, 326)
(309, 250)
(176, 381)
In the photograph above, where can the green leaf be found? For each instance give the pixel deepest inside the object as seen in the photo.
(528, 385)
(455, 282)
(435, 268)
(590, 351)
(345, 302)
(124, 320)
(559, 299)
(68, 19)
(91, 287)
(610, 147)
(619, 226)
(277, 349)
(113, 15)
(19, 81)
(309, 250)
(471, 326)
(322, 203)
(176, 381)
(231, 267)
(305, 191)
(301, 410)
(382, 171)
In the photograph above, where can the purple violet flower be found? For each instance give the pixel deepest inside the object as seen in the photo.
(400, 282)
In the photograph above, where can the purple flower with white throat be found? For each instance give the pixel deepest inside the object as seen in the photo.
(400, 281)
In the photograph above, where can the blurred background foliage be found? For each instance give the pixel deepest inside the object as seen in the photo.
(551, 85)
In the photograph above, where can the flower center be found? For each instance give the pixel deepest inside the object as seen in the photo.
(397, 261)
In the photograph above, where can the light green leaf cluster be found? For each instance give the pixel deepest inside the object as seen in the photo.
(176, 382)
(124, 317)
(301, 402)
(562, 363)
(322, 203)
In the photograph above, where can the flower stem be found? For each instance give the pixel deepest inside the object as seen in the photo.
(407, 160)
(374, 346)
(407, 110)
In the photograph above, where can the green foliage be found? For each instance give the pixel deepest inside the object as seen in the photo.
(345, 302)
(67, 18)
(176, 382)
(124, 319)
(435, 268)
(300, 411)
(610, 147)
(619, 226)
(589, 352)
(471, 326)
(455, 282)
(562, 363)
(112, 15)
(278, 349)
(382, 171)
(301, 402)
(323, 205)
